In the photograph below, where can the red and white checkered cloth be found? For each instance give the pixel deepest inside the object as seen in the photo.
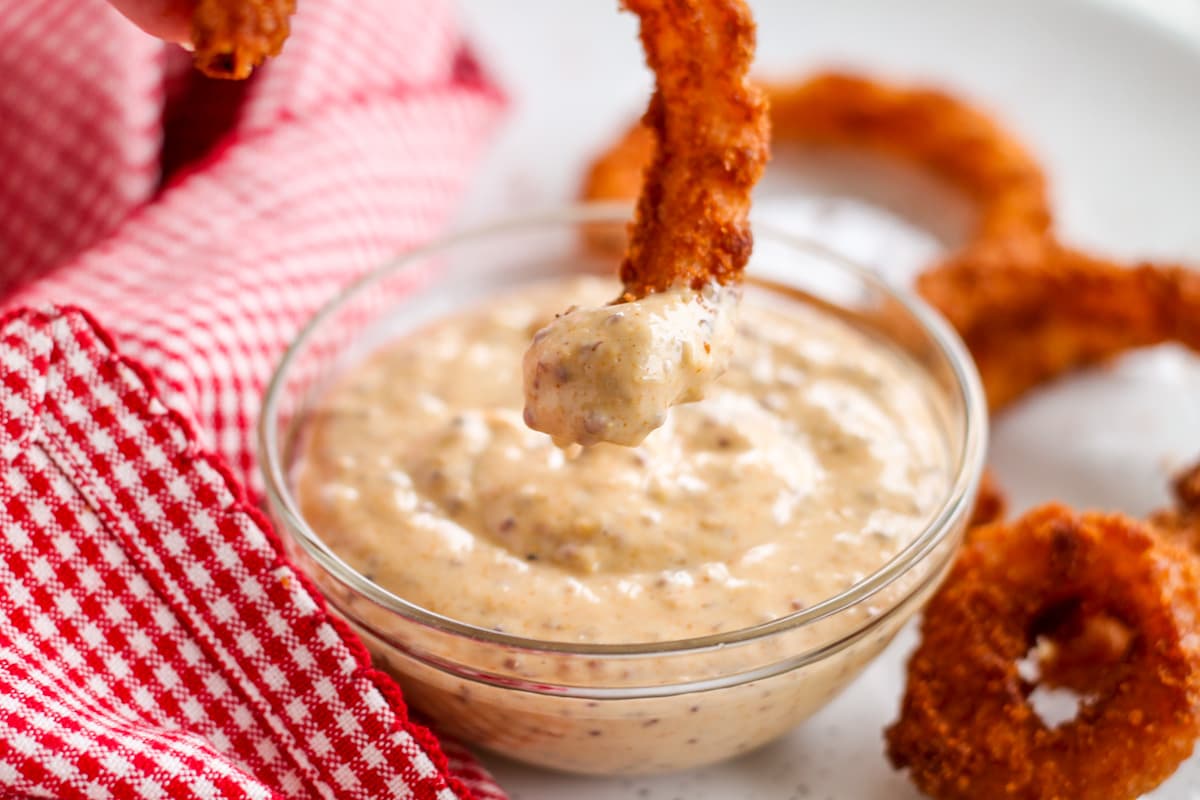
(154, 640)
(349, 147)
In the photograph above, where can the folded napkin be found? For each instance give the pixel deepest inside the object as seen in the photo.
(154, 639)
(351, 146)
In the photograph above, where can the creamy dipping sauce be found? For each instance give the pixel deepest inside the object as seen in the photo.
(610, 374)
(815, 458)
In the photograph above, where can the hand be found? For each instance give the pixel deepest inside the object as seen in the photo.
(167, 19)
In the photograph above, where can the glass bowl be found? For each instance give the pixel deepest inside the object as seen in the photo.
(618, 708)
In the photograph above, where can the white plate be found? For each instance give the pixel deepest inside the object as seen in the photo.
(1108, 98)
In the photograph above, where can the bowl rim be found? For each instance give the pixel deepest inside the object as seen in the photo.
(958, 502)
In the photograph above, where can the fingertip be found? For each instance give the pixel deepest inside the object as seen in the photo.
(170, 20)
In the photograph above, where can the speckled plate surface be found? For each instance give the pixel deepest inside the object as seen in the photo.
(1108, 97)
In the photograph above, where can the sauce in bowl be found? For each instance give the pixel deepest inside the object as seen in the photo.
(813, 460)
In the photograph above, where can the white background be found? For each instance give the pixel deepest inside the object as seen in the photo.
(1107, 93)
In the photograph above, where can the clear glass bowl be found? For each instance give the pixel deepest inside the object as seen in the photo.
(614, 708)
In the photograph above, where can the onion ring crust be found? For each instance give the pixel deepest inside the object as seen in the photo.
(712, 139)
(232, 37)
(967, 729)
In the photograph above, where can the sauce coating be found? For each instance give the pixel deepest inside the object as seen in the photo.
(610, 374)
(816, 457)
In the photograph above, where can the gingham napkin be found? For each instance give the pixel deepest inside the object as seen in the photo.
(351, 146)
(154, 640)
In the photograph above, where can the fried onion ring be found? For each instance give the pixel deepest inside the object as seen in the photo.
(232, 37)
(967, 729)
(711, 128)
(928, 128)
(1031, 309)
(931, 129)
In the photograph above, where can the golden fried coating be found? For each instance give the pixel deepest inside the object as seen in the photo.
(712, 138)
(967, 730)
(931, 129)
(232, 37)
(1031, 309)
(928, 128)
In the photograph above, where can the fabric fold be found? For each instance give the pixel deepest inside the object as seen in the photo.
(157, 642)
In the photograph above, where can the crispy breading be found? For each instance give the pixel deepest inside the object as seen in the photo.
(967, 729)
(1031, 309)
(711, 145)
(232, 37)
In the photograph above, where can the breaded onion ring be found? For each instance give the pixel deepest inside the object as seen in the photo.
(1030, 309)
(691, 226)
(928, 128)
(967, 729)
(232, 37)
(931, 129)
